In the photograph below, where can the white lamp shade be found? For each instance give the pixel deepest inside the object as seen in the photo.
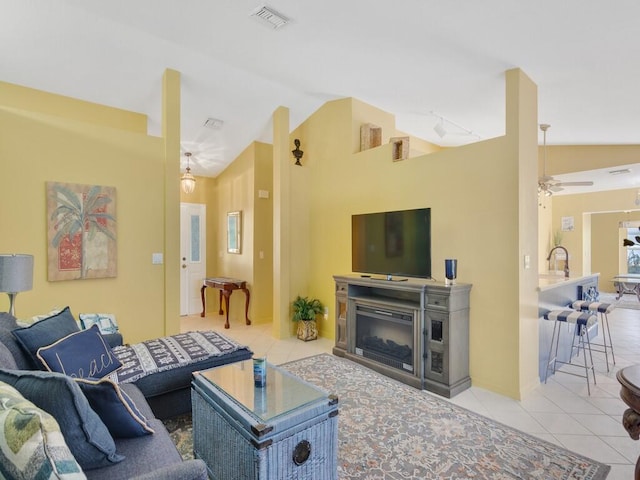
(16, 273)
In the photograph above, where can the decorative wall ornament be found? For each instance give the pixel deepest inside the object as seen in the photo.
(370, 136)
(81, 231)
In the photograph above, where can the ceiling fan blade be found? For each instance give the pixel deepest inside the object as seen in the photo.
(576, 184)
(555, 188)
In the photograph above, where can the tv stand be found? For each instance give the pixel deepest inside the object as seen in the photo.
(438, 335)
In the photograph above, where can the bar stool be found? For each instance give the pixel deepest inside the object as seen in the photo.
(582, 321)
(603, 309)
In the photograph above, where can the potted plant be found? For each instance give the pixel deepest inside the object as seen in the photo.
(305, 311)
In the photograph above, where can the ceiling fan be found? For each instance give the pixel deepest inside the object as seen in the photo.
(547, 185)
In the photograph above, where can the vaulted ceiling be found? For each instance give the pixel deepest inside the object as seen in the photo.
(425, 61)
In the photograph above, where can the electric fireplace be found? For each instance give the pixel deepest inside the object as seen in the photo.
(386, 336)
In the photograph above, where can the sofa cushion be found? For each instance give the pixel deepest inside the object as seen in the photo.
(32, 445)
(87, 436)
(145, 455)
(115, 408)
(45, 332)
(83, 354)
(8, 323)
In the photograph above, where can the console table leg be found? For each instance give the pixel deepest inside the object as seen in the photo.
(246, 306)
(202, 297)
(220, 311)
(226, 294)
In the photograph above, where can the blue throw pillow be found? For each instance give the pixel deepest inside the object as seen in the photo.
(115, 408)
(45, 332)
(83, 354)
(60, 396)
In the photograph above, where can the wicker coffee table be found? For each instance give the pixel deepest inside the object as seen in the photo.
(285, 430)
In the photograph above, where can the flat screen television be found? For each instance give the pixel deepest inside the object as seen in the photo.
(394, 243)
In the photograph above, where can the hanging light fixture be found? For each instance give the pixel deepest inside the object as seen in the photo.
(187, 181)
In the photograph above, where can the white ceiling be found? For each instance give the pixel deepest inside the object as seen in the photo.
(418, 59)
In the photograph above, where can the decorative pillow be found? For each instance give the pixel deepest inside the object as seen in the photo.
(115, 408)
(32, 446)
(106, 322)
(87, 437)
(45, 332)
(83, 354)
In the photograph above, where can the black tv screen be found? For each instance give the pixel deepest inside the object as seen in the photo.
(392, 243)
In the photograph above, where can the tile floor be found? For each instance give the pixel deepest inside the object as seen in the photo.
(560, 411)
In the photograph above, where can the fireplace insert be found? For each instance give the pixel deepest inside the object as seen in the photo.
(385, 336)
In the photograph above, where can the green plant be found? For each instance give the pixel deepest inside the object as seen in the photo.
(305, 309)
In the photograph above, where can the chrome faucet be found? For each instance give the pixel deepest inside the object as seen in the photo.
(566, 263)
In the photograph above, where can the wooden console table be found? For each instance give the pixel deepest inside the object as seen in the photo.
(226, 286)
(629, 378)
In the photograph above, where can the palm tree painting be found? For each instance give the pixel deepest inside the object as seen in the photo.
(81, 231)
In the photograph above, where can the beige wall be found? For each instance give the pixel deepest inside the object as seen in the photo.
(61, 139)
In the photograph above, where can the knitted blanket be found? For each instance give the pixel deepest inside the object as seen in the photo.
(166, 353)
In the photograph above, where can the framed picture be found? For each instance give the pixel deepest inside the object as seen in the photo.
(234, 233)
(81, 231)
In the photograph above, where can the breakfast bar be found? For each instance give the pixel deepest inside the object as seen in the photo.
(556, 292)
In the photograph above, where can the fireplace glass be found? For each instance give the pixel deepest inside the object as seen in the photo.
(385, 336)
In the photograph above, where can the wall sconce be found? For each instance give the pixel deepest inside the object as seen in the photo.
(16, 275)
(187, 181)
(297, 153)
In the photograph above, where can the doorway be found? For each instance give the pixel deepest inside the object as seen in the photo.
(193, 256)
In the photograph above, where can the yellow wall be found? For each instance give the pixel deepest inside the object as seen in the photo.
(37, 147)
(474, 193)
(598, 240)
(236, 189)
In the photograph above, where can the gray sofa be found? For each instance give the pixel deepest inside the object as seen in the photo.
(149, 456)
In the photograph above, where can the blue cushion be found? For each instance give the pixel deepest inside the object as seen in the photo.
(83, 354)
(86, 435)
(115, 408)
(45, 332)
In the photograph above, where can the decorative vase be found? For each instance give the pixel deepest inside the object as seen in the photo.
(307, 330)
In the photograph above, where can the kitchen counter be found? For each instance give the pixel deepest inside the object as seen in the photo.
(550, 281)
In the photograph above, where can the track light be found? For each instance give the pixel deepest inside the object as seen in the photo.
(439, 128)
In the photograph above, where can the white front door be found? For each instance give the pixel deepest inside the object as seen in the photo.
(193, 256)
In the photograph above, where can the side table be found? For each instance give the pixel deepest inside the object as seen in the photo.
(629, 378)
(226, 286)
(287, 429)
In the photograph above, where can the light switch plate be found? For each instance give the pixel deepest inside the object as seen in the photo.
(156, 258)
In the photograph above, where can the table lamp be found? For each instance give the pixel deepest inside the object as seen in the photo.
(16, 275)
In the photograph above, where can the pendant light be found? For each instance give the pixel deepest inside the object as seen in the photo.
(187, 181)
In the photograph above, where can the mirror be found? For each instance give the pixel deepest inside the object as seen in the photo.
(234, 220)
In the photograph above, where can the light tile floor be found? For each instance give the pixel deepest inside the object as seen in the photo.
(559, 411)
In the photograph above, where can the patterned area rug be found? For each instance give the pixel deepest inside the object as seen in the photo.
(388, 430)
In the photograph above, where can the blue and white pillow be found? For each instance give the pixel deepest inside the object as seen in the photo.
(106, 322)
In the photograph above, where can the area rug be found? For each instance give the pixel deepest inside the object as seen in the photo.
(388, 430)
(628, 300)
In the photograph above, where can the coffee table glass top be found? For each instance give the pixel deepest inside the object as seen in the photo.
(282, 393)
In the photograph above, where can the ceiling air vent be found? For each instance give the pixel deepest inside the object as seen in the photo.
(269, 16)
(213, 123)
